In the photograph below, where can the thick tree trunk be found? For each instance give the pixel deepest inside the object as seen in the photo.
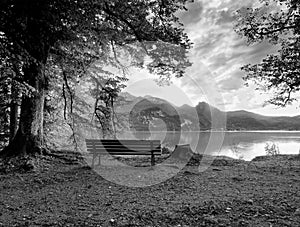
(29, 137)
(36, 43)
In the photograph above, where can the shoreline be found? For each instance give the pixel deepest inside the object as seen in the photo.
(279, 131)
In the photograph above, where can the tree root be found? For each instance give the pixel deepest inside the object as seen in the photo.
(37, 161)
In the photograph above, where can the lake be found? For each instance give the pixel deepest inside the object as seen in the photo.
(236, 144)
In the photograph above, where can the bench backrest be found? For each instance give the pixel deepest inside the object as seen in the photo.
(124, 147)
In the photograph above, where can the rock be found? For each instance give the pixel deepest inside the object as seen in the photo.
(181, 153)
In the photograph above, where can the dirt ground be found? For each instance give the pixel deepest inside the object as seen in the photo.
(264, 192)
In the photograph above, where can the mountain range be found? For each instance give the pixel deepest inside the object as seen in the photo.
(149, 111)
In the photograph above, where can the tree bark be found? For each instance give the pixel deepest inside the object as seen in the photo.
(36, 43)
(14, 114)
(29, 137)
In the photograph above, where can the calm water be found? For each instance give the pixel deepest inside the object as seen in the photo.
(245, 145)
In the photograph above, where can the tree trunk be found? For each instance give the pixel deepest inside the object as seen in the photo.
(14, 114)
(29, 137)
(36, 43)
(114, 129)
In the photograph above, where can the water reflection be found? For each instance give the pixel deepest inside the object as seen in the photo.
(245, 145)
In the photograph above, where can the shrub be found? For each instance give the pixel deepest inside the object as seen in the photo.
(271, 149)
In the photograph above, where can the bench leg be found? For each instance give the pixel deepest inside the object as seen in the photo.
(99, 160)
(93, 162)
(152, 159)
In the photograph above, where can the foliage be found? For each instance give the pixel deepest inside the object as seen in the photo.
(10, 90)
(64, 26)
(4, 115)
(50, 46)
(277, 21)
(272, 149)
(104, 106)
(145, 113)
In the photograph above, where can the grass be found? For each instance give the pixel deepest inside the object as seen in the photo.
(264, 192)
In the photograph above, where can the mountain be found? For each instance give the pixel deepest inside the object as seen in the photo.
(244, 120)
(149, 111)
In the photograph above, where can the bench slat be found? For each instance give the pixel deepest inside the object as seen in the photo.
(109, 141)
(124, 141)
(126, 148)
(118, 149)
(125, 153)
(123, 149)
(125, 144)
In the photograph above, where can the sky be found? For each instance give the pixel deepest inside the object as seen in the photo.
(217, 55)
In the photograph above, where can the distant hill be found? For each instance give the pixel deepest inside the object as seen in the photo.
(147, 111)
(244, 120)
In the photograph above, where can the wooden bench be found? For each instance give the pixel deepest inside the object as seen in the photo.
(123, 147)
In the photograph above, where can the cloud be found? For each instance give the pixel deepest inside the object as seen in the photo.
(218, 60)
(232, 83)
(243, 99)
(217, 56)
(223, 53)
(207, 43)
(192, 15)
(225, 17)
(259, 51)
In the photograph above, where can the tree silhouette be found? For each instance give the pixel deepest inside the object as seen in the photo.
(47, 39)
(277, 21)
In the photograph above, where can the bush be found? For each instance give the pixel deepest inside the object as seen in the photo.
(271, 149)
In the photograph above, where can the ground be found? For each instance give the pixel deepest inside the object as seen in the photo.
(264, 192)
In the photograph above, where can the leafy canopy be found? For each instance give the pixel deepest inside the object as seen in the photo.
(33, 29)
(74, 38)
(277, 21)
